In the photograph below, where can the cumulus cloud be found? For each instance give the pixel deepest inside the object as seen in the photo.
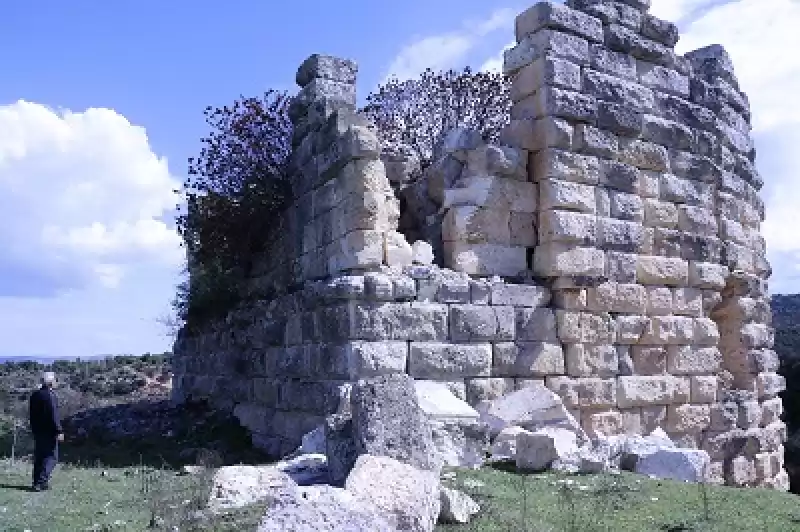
(760, 36)
(83, 199)
(449, 49)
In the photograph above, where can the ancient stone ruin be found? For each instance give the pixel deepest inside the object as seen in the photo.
(607, 247)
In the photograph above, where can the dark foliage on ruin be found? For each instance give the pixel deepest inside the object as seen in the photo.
(240, 182)
(412, 116)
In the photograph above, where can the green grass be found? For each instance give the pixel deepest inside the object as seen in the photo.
(109, 500)
(619, 503)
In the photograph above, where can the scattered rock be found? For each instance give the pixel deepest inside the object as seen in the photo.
(504, 446)
(457, 507)
(422, 253)
(306, 470)
(409, 496)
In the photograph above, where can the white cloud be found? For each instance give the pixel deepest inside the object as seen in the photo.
(495, 63)
(678, 10)
(449, 49)
(760, 36)
(82, 197)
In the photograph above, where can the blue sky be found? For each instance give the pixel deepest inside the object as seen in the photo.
(101, 104)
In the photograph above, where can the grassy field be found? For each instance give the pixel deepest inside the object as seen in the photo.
(96, 499)
(127, 499)
(619, 503)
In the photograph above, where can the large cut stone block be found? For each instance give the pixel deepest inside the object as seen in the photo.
(559, 17)
(519, 295)
(562, 166)
(656, 390)
(557, 194)
(485, 259)
(470, 323)
(546, 70)
(556, 260)
(387, 421)
(584, 392)
(528, 359)
(550, 42)
(448, 361)
(662, 271)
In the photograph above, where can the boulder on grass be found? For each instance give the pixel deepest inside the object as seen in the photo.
(537, 451)
(457, 507)
(324, 509)
(239, 486)
(408, 496)
(629, 450)
(531, 408)
(687, 465)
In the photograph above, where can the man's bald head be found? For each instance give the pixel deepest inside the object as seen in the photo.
(49, 379)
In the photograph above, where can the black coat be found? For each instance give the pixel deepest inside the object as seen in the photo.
(44, 413)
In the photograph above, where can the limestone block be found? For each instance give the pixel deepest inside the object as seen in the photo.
(626, 206)
(599, 424)
(631, 329)
(688, 302)
(536, 325)
(422, 253)
(397, 251)
(673, 135)
(621, 267)
(649, 360)
(645, 155)
(551, 42)
(706, 333)
(575, 299)
(547, 70)
(620, 235)
(662, 271)
(699, 220)
(556, 194)
(664, 79)
(616, 90)
(704, 389)
(687, 360)
(378, 287)
(487, 389)
(682, 465)
(476, 225)
(603, 202)
(648, 391)
(772, 409)
(660, 213)
(623, 39)
(654, 417)
(586, 360)
(660, 30)
(568, 227)
(749, 415)
(595, 141)
(688, 418)
(553, 164)
(422, 322)
(537, 451)
(522, 226)
(559, 17)
(724, 416)
(577, 327)
(453, 290)
(631, 421)
(584, 392)
(770, 385)
(741, 472)
(613, 63)
(553, 101)
(617, 297)
(536, 135)
(480, 291)
(519, 295)
(485, 259)
(528, 359)
(659, 301)
(620, 176)
(368, 359)
(707, 275)
(447, 361)
(492, 192)
(472, 323)
(557, 260)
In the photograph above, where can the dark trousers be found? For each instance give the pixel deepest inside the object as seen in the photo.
(45, 457)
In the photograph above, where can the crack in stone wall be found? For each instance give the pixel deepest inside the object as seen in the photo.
(607, 246)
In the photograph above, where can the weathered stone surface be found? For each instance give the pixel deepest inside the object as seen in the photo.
(442, 361)
(536, 451)
(387, 421)
(323, 508)
(457, 507)
(408, 496)
(239, 486)
(676, 464)
(530, 408)
(326, 67)
(559, 17)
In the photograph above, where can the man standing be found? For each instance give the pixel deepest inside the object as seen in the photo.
(47, 431)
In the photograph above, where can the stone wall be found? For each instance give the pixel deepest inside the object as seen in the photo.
(619, 211)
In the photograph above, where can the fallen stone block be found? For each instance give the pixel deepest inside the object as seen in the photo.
(306, 470)
(685, 465)
(537, 451)
(408, 496)
(239, 486)
(326, 509)
(504, 446)
(531, 408)
(457, 507)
